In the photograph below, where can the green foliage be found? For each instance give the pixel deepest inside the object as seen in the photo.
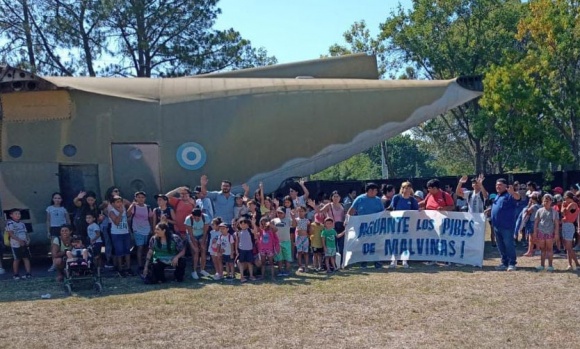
(358, 167)
(133, 37)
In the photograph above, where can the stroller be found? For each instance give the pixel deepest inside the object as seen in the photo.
(88, 270)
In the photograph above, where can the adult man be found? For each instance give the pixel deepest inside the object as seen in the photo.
(223, 200)
(302, 199)
(503, 209)
(364, 204)
(347, 202)
(475, 198)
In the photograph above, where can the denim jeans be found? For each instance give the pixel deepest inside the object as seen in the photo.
(506, 245)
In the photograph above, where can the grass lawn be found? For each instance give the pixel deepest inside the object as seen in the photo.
(425, 306)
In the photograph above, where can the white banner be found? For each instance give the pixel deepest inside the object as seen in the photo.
(455, 237)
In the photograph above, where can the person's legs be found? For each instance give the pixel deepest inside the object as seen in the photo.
(550, 251)
(158, 271)
(180, 270)
(501, 244)
(542, 247)
(194, 246)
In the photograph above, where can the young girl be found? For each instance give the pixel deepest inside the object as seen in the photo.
(316, 241)
(245, 249)
(240, 209)
(528, 223)
(214, 248)
(120, 235)
(163, 213)
(569, 215)
(268, 244)
(227, 243)
(56, 217)
(329, 237)
(196, 226)
(302, 245)
(546, 230)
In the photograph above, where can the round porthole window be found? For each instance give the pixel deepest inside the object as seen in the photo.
(69, 150)
(15, 151)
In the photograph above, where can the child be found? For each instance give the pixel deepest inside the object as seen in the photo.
(94, 234)
(163, 213)
(546, 230)
(214, 248)
(196, 226)
(569, 216)
(240, 209)
(226, 243)
(316, 241)
(56, 217)
(18, 242)
(302, 230)
(528, 222)
(268, 244)
(283, 225)
(245, 249)
(77, 251)
(141, 224)
(329, 237)
(120, 235)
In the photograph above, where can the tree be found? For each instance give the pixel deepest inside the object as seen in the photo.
(535, 92)
(135, 37)
(358, 167)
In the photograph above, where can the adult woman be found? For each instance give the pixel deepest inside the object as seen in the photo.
(165, 249)
(403, 201)
(335, 210)
(60, 244)
(86, 203)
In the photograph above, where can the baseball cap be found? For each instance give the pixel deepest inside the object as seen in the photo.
(420, 194)
(140, 192)
(281, 210)
(223, 225)
(558, 190)
(157, 196)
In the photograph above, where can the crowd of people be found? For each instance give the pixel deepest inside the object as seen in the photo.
(261, 235)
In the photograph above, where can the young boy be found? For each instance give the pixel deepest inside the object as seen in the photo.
(78, 251)
(94, 234)
(18, 242)
(329, 237)
(283, 224)
(316, 241)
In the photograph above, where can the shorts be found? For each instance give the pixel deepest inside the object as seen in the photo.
(285, 253)
(246, 256)
(197, 238)
(542, 236)
(226, 258)
(140, 239)
(302, 244)
(20, 252)
(330, 252)
(568, 231)
(55, 231)
(317, 250)
(267, 253)
(121, 244)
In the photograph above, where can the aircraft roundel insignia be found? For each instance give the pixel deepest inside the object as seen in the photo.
(191, 156)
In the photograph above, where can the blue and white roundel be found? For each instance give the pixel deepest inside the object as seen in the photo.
(191, 156)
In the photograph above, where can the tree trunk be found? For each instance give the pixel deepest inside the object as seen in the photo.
(28, 35)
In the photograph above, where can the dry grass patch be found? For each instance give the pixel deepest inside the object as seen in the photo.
(433, 307)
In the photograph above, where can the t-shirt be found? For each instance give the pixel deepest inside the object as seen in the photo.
(92, 232)
(197, 226)
(266, 241)
(167, 212)
(245, 240)
(18, 230)
(399, 203)
(441, 199)
(223, 205)
(225, 242)
(302, 224)
(122, 227)
(547, 220)
(214, 247)
(366, 205)
(239, 211)
(182, 210)
(140, 220)
(315, 238)
(503, 209)
(299, 201)
(57, 215)
(283, 226)
(61, 246)
(337, 214)
(475, 202)
(329, 237)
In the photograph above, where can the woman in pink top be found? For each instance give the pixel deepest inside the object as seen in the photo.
(335, 210)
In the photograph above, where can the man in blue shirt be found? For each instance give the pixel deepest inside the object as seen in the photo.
(364, 204)
(503, 220)
(223, 201)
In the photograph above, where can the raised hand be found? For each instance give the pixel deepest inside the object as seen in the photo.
(203, 180)
(463, 180)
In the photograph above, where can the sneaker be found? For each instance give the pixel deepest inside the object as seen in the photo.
(393, 265)
(550, 269)
(447, 264)
(204, 273)
(378, 265)
(539, 268)
(363, 265)
(2, 271)
(511, 268)
(217, 277)
(501, 267)
(405, 265)
(194, 276)
(16, 277)
(570, 268)
(51, 269)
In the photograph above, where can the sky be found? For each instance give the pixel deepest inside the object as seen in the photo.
(300, 30)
